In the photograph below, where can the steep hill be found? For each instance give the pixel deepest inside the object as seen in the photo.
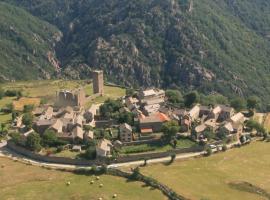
(26, 45)
(210, 45)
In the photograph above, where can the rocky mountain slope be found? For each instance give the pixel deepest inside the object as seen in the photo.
(209, 45)
(26, 45)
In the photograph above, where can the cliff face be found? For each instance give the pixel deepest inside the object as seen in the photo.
(212, 46)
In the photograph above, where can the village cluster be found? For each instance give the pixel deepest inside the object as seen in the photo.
(68, 119)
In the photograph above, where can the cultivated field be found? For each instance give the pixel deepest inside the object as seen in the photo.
(19, 181)
(237, 174)
(19, 104)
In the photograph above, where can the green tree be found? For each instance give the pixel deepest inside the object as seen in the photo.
(3, 129)
(27, 120)
(130, 92)
(126, 117)
(222, 134)
(191, 98)
(174, 96)
(49, 138)
(209, 133)
(2, 93)
(28, 108)
(208, 151)
(16, 137)
(251, 124)
(213, 99)
(33, 142)
(238, 103)
(90, 153)
(110, 107)
(9, 108)
(170, 129)
(253, 102)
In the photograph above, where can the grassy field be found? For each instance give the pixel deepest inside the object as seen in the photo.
(46, 89)
(5, 118)
(30, 182)
(182, 143)
(220, 177)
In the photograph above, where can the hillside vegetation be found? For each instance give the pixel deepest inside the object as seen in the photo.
(209, 45)
(25, 42)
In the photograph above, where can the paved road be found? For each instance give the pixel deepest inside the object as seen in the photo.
(5, 152)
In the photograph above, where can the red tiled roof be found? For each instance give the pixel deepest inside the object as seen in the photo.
(146, 130)
(163, 117)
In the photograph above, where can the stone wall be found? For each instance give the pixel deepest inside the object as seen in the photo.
(122, 159)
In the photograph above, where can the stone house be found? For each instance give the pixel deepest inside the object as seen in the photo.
(226, 113)
(194, 113)
(78, 134)
(57, 126)
(88, 135)
(103, 148)
(237, 118)
(125, 132)
(132, 103)
(152, 96)
(153, 123)
(205, 111)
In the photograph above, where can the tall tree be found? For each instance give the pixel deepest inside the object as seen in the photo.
(253, 102)
(191, 98)
(170, 129)
(33, 142)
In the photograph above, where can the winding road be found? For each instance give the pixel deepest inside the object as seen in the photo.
(7, 153)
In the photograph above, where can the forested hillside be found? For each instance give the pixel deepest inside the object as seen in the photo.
(26, 43)
(210, 45)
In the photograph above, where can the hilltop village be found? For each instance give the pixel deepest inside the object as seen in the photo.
(140, 122)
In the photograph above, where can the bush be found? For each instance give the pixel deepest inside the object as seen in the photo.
(28, 108)
(173, 156)
(17, 138)
(90, 153)
(27, 120)
(224, 148)
(2, 93)
(49, 138)
(33, 142)
(209, 151)
(11, 93)
(59, 149)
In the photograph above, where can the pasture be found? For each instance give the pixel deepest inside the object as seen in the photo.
(20, 181)
(236, 174)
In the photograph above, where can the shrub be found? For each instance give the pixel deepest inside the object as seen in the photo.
(28, 108)
(209, 151)
(11, 93)
(224, 148)
(90, 153)
(33, 142)
(49, 138)
(59, 149)
(173, 156)
(17, 138)
(27, 120)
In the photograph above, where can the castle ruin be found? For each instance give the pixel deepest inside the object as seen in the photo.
(98, 82)
(70, 98)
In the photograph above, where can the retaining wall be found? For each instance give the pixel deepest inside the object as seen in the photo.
(122, 159)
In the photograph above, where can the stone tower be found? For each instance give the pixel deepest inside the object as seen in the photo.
(98, 82)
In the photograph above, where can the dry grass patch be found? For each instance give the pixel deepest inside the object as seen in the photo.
(211, 177)
(19, 105)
